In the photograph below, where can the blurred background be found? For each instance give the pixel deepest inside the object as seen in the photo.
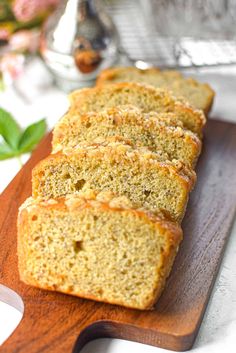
(81, 37)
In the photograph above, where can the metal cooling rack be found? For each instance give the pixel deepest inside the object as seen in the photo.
(141, 42)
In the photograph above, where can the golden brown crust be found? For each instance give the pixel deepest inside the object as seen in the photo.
(167, 264)
(172, 79)
(117, 153)
(120, 114)
(72, 130)
(78, 100)
(104, 200)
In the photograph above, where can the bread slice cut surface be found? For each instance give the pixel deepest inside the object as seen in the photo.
(145, 177)
(98, 248)
(146, 98)
(199, 95)
(156, 131)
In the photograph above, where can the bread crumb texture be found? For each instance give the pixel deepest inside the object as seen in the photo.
(199, 95)
(147, 178)
(97, 246)
(104, 218)
(145, 97)
(157, 131)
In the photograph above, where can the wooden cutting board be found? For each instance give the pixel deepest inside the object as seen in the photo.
(59, 323)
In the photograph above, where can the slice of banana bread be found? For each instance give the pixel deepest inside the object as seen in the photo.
(143, 176)
(147, 98)
(152, 130)
(96, 247)
(199, 95)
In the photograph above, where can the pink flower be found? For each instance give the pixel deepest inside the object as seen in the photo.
(27, 10)
(11, 66)
(4, 34)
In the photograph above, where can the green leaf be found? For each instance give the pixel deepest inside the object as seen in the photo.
(6, 151)
(31, 136)
(15, 142)
(9, 129)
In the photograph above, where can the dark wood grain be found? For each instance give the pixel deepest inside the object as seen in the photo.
(59, 323)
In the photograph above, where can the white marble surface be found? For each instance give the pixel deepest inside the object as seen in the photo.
(218, 330)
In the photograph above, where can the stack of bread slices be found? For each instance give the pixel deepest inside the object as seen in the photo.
(104, 219)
